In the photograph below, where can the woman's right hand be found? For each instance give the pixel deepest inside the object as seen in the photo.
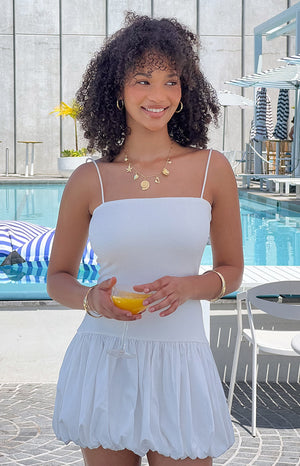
(100, 302)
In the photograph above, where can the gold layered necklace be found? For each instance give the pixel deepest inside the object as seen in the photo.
(145, 180)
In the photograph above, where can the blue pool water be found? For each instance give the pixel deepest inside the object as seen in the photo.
(271, 235)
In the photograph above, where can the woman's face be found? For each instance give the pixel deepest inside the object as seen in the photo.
(151, 96)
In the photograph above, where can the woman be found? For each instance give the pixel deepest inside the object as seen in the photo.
(148, 206)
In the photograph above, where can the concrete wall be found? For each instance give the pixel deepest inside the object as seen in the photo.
(45, 46)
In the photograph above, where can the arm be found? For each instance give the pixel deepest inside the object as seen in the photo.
(69, 242)
(225, 231)
(226, 242)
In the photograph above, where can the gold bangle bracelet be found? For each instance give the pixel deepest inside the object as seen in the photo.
(86, 306)
(223, 290)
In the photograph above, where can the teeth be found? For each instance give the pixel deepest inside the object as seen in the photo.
(155, 110)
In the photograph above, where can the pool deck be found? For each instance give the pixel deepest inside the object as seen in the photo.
(27, 394)
(27, 438)
(36, 179)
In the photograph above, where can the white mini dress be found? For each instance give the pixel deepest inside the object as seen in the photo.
(168, 398)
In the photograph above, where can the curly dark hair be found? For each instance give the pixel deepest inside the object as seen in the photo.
(104, 124)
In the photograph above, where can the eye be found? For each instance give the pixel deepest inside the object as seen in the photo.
(143, 82)
(172, 83)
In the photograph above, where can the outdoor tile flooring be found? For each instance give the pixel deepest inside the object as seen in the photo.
(26, 436)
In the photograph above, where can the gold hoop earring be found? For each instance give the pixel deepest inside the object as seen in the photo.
(120, 104)
(180, 107)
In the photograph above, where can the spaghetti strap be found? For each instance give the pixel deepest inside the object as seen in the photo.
(205, 176)
(100, 179)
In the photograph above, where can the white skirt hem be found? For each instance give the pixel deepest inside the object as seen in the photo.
(168, 398)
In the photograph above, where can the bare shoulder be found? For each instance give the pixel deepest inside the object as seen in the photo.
(221, 178)
(221, 165)
(219, 159)
(82, 184)
(218, 162)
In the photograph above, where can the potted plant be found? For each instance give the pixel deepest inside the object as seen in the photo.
(70, 158)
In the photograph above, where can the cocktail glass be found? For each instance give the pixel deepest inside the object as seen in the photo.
(124, 298)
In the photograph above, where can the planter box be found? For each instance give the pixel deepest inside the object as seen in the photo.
(66, 165)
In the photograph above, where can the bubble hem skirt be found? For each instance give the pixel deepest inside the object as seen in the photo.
(168, 399)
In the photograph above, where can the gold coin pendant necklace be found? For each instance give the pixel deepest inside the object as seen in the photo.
(138, 175)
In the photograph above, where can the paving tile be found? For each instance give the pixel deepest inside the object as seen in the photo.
(26, 436)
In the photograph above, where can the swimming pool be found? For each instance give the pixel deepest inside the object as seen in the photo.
(271, 235)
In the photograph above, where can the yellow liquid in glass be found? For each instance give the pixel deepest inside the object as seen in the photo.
(132, 302)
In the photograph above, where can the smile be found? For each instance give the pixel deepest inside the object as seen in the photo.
(154, 110)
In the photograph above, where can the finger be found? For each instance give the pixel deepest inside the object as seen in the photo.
(165, 291)
(108, 284)
(142, 288)
(170, 310)
(159, 295)
(148, 287)
(167, 301)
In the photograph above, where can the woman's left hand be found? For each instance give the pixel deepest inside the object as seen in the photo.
(171, 292)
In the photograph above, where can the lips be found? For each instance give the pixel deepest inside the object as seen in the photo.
(155, 110)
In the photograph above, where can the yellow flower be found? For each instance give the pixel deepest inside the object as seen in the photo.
(73, 111)
(67, 110)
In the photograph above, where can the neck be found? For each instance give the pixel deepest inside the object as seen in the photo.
(147, 148)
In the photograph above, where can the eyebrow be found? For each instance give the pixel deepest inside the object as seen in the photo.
(149, 75)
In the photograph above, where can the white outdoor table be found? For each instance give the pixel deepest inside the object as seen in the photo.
(27, 155)
(295, 343)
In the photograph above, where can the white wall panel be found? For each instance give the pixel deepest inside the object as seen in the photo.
(117, 9)
(37, 16)
(37, 85)
(7, 101)
(185, 11)
(221, 60)
(77, 52)
(6, 17)
(219, 18)
(80, 17)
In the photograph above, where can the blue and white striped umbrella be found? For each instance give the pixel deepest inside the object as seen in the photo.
(262, 129)
(283, 111)
(14, 234)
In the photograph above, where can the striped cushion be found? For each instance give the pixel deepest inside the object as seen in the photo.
(14, 234)
(35, 272)
(39, 249)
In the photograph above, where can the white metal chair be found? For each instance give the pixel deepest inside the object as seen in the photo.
(265, 341)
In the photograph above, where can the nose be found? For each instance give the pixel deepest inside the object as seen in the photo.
(157, 94)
